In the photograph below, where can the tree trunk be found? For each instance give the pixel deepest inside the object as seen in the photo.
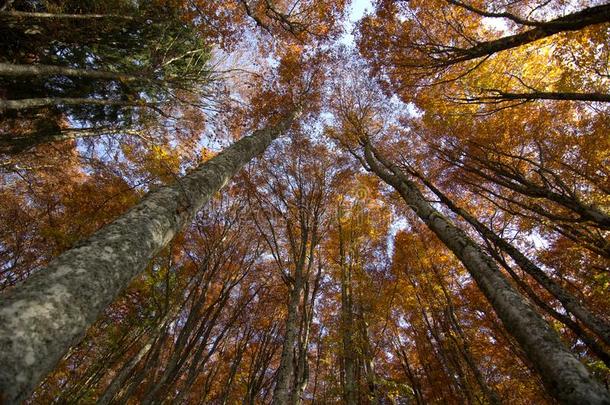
(347, 322)
(26, 14)
(50, 311)
(120, 378)
(564, 376)
(23, 143)
(464, 346)
(540, 95)
(26, 103)
(281, 393)
(15, 70)
(571, 22)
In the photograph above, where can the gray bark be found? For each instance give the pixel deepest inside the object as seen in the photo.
(564, 376)
(26, 103)
(26, 14)
(15, 70)
(50, 311)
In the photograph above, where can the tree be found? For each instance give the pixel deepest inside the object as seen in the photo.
(101, 76)
(60, 288)
(483, 54)
(289, 196)
(358, 115)
(531, 331)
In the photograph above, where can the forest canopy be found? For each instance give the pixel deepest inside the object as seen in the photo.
(304, 202)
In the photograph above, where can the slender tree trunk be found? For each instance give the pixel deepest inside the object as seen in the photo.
(308, 311)
(50, 311)
(26, 14)
(504, 175)
(415, 384)
(21, 143)
(281, 393)
(26, 103)
(595, 347)
(302, 364)
(237, 360)
(15, 70)
(368, 364)
(464, 347)
(118, 381)
(541, 95)
(564, 376)
(347, 321)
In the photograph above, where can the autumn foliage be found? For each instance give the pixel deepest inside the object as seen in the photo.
(435, 162)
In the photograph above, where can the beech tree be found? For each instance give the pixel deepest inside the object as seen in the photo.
(153, 223)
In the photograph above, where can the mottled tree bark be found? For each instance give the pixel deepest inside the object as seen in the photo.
(564, 376)
(49, 312)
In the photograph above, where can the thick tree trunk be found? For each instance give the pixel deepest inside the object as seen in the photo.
(50, 311)
(565, 377)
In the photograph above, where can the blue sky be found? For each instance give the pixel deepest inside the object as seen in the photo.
(358, 9)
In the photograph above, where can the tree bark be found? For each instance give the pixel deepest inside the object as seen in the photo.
(564, 376)
(347, 321)
(282, 392)
(15, 70)
(571, 22)
(26, 103)
(120, 378)
(26, 14)
(50, 311)
(501, 96)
